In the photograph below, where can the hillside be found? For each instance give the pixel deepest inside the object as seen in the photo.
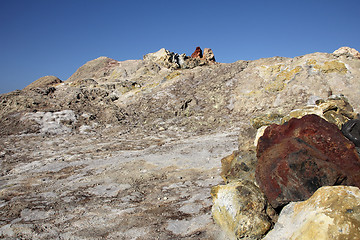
(131, 149)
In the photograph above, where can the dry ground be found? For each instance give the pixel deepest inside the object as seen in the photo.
(110, 186)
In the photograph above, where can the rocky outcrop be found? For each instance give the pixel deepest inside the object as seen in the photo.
(43, 82)
(347, 51)
(209, 55)
(242, 211)
(53, 122)
(297, 158)
(139, 141)
(93, 69)
(331, 213)
(165, 58)
(173, 60)
(197, 53)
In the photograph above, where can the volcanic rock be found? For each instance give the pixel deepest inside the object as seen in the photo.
(146, 143)
(93, 69)
(240, 165)
(298, 157)
(335, 109)
(347, 51)
(197, 53)
(163, 57)
(44, 82)
(241, 210)
(209, 55)
(331, 213)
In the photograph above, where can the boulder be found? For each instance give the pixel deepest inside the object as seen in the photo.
(347, 51)
(239, 165)
(197, 53)
(43, 82)
(331, 213)
(241, 210)
(302, 155)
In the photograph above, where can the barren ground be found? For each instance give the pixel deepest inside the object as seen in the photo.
(108, 186)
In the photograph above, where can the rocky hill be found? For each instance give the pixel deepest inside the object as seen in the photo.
(130, 150)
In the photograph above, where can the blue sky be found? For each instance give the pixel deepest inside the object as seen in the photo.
(48, 37)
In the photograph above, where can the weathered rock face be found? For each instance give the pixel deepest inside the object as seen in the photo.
(93, 69)
(44, 82)
(197, 53)
(164, 57)
(173, 60)
(331, 213)
(297, 158)
(240, 208)
(347, 51)
(209, 55)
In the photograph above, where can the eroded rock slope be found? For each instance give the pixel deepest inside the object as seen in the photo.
(130, 150)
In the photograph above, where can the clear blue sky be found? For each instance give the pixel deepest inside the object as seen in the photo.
(48, 37)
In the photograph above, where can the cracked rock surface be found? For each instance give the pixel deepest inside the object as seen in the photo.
(107, 187)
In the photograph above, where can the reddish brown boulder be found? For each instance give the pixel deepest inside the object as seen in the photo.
(300, 156)
(197, 53)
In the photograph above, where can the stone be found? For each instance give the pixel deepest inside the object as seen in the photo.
(239, 165)
(208, 55)
(347, 51)
(44, 82)
(332, 212)
(299, 113)
(197, 53)
(241, 210)
(335, 109)
(351, 130)
(266, 119)
(302, 155)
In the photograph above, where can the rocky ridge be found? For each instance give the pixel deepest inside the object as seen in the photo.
(67, 148)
